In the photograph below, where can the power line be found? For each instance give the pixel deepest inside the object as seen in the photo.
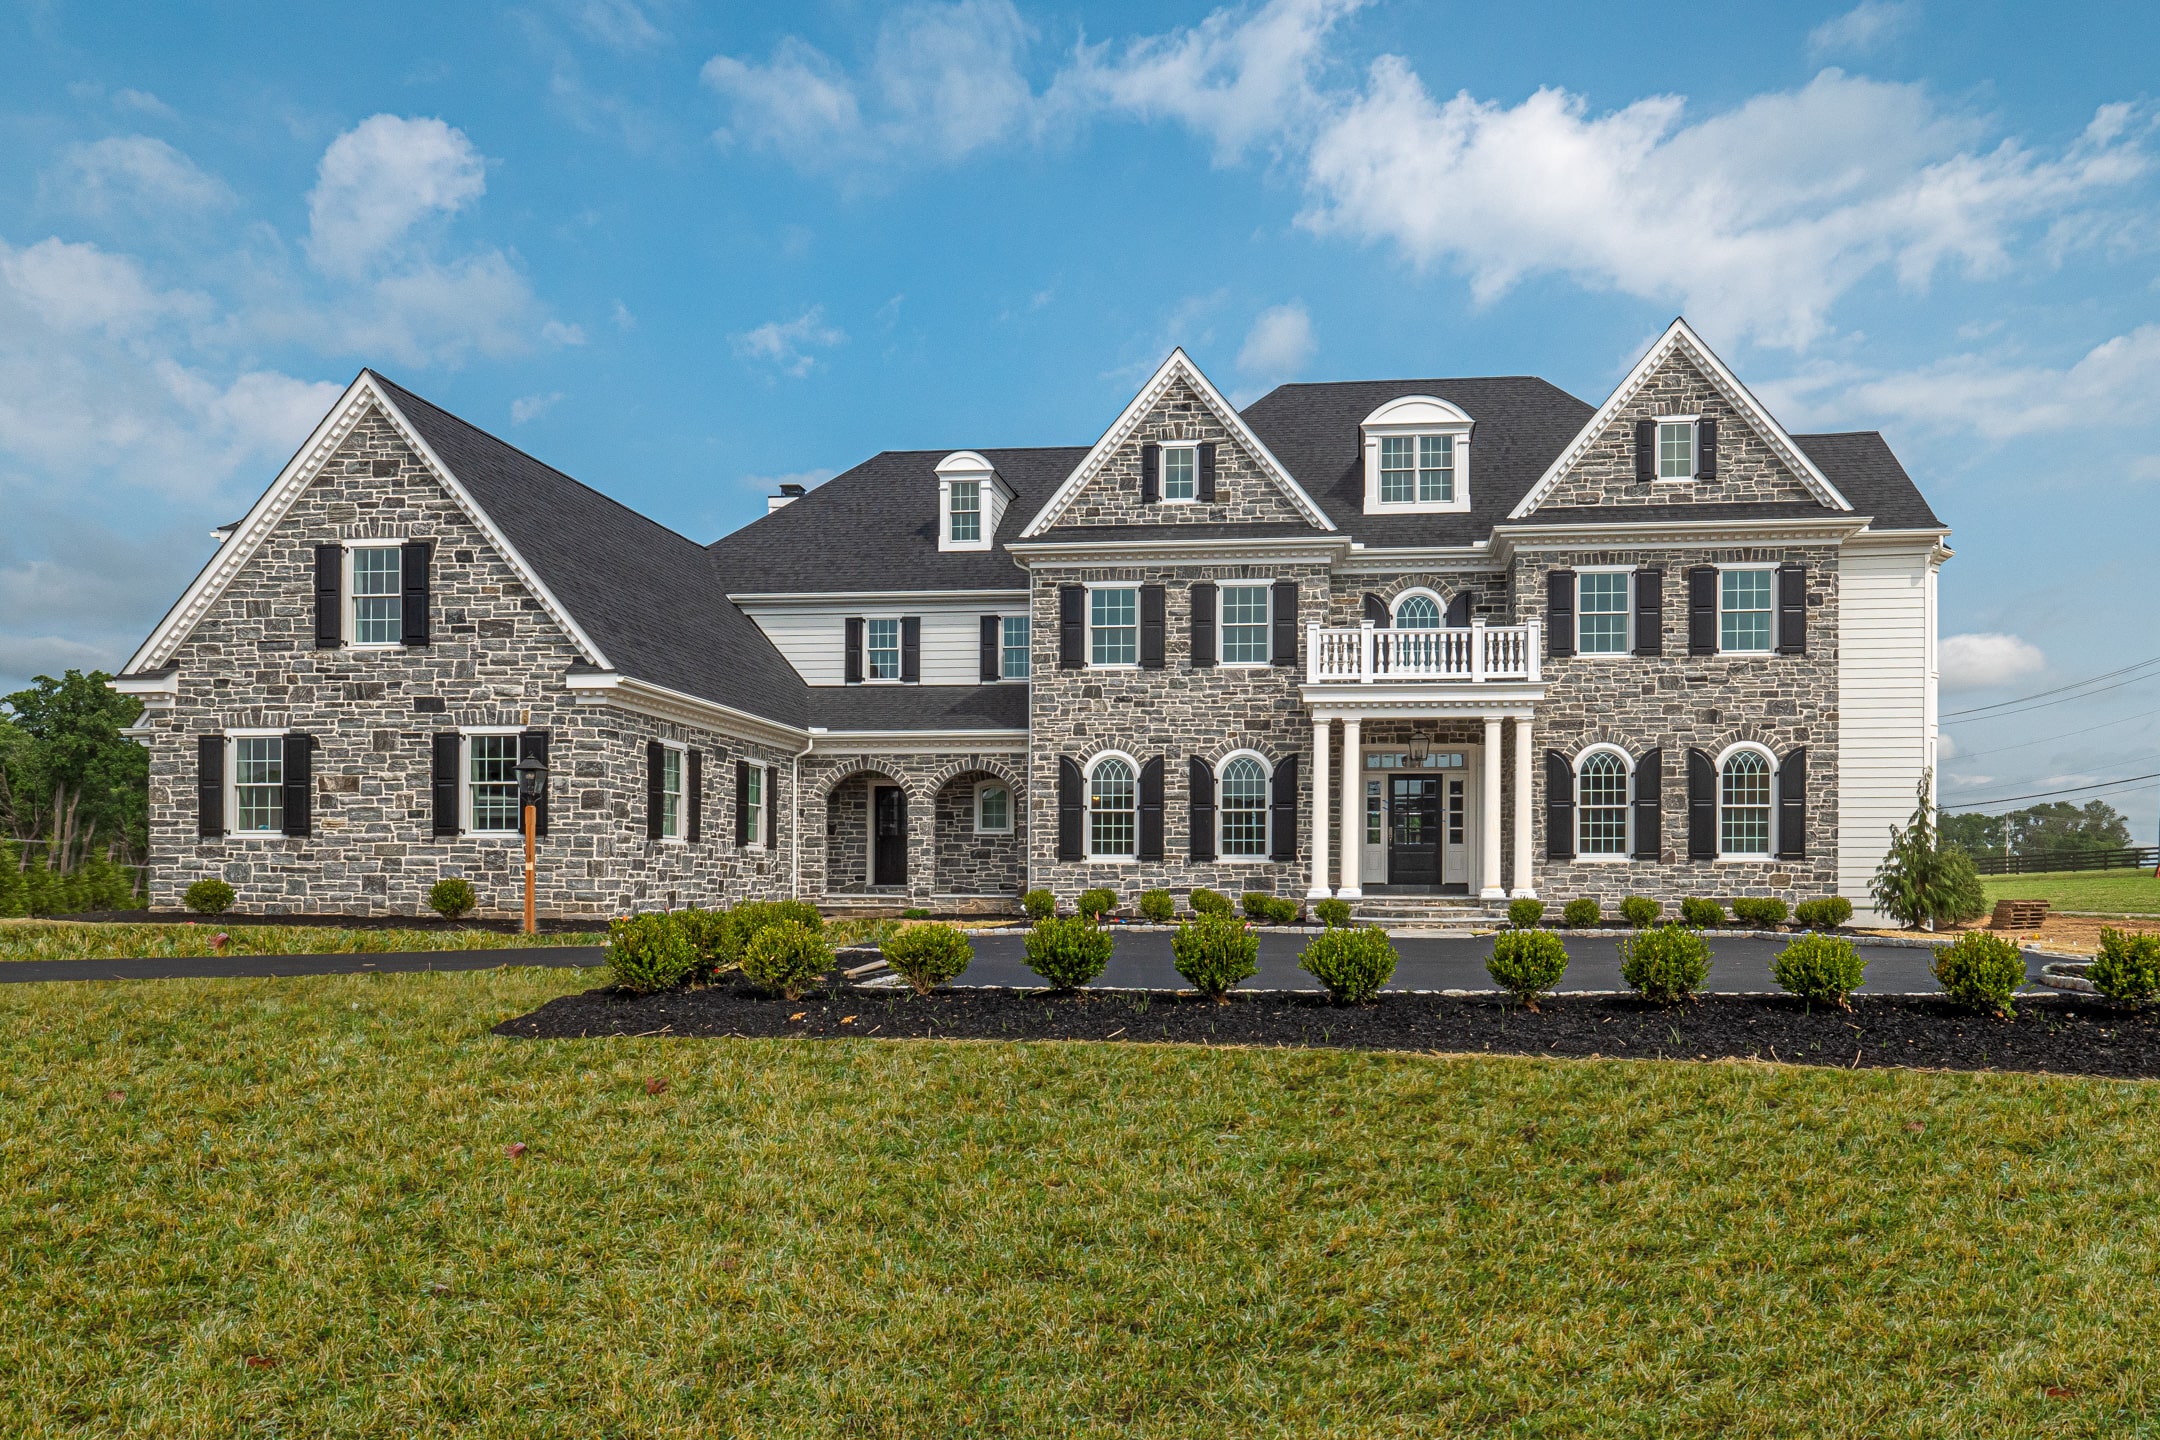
(2047, 739)
(2024, 700)
(2045, 794)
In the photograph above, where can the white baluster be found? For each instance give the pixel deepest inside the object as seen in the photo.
(1477, 652)
(1365, 653)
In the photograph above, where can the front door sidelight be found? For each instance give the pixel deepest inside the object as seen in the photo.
(888, 836)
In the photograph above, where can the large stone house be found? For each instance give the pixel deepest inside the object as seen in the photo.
(1440, 641)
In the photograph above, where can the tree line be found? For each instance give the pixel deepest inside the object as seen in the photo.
(2052, 829)
(74, 791)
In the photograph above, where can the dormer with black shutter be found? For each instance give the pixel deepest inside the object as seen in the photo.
(971, 501)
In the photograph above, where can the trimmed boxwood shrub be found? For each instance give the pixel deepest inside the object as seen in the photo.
(1981, 970)
(1763, 912)
(649, 953)
(1701, 914)
(712, 934)
(1096, 903)
(1039, 904)
(453, 899)
(1270, 909)
(787, 956)
(1069, 952)
(1522, 914)
(1640, 911)
(1820, 967)
(1526, 963)
(1157, 906)
(1825, 914)
(206, 897)
(1214, 952)
(1665, 965)
(926, 956)
(752, 916)
(1581, 914)
(2127, 969)
(1353, 963)
(1332, 913)
(1211, 902)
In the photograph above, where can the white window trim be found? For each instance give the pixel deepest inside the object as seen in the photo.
(1627, 806)
(1694, 451)
(1007, 827)
(1162, 473)
(682, 800)
(1769, 856)
(1003, 678)
(1087, 807)
(1413, 416)
(1627, 645)
(1267, 811)
(899, 648)
(1439, 601)
(346, 624)
(1759, 568)
(762, 810)
(232, 785)
(970, 467)
(1222, 625)
(465, 784)
(1088, 628)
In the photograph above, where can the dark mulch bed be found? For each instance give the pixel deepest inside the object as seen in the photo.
(2049, 1035)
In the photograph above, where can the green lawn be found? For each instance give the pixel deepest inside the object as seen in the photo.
(2113, 892)
(285, 1208)
(78, 940)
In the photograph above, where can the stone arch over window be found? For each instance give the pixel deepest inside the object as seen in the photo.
(1418, 608)
(1216, 754)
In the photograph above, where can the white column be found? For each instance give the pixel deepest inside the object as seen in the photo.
(1489, 887)
(1523, 887)
(1353, 811)
(1320, 817)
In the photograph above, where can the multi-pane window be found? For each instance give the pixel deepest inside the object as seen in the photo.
(1436, 468)
(1398, 473)
(754, 802)
(378, 595)
(967, 510)
(881, 638)
(1676, 449)
(1601, 805)
(1014, 656)
(1601, 613)
(671, 793)
(1244, 624)
(1114, 627)
(1372, 812)
(1112, 826)
(1180, 472)
(259, 783)
(1744, 610)
(1244, 807)
(494, 782)
(993, 809)
(1417, 612)
(1744, 805)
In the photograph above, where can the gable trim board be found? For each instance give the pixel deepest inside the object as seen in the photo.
(1681, 338)
(1178, 366)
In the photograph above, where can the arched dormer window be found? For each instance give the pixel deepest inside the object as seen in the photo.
(971, 501)
(1417, 457)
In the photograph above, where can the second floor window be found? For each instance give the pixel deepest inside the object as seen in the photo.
(1244, 624)
(1601, 615)
(1014, 652)
(259, 784)
(1744, 610)
(1180, 471)
(1676, 449)
(494, 782)
(967, 510)
(378, 595)
(1114, 627)
(881, 639)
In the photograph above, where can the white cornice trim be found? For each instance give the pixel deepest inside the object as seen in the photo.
(1680, 336)
(823, 599)
(1446, 699)
(911, 742)
(1621, 534)
(167, 684)
(662, 703)
(1055, 554)
(1396, 559)
(1177, 366)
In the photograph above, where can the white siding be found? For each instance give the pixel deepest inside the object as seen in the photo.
(1886, 700)
(814, 638)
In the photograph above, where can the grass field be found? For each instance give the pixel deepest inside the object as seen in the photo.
(2113, 892)
(77, 940)
(286, 1208)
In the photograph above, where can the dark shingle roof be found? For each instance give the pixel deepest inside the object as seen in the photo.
(920, 707)
(1860, 464)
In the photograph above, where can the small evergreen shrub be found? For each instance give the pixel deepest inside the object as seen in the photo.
(453, 899)
(1665, 965)
(914, 912)
(1581, 914)
(787, 956)
(1820, 967)
(1069, 952)
(1981, 970)
(1353, 962)
(1700, 914)
(713, 939)
(1039, 904)
(1214, 953)
(1096, 903)
(1762, 912)
(1157, 907)
(208, 897)
(1270, 909)
(1332, 913)
(1640, 911)
(1523, 914)
(649, 953)
(745, 920)
(1211, 902)
(926, 956)
(1526, 963)
(1824, 914)
(2127, 969)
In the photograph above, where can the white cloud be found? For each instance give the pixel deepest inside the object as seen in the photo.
(531, 407)
(380, 179)
(1279, 343)
(622, 317)
(1983, 661)
(770, 484)
(138, 173)
(145, 103)
(621, 24)
(72, 285)
(1865, 28)
(787, 344)
(557, 333)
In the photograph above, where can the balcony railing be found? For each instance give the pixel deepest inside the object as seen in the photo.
(1477, 652)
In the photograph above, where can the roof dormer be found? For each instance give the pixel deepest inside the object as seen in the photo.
(971, 501)
(1417, 457)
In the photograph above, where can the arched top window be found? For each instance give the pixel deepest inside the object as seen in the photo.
(1601, 802)
(1744, 789)
(1417, 610)
(1113, 808)
(1241, 807)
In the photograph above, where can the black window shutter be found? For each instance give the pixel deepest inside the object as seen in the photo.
(533, 744)
(1203, 624)
(1376, 611)
(1645, 451)
(1200, 782)
(696, 783)
(1792, 805)
(1560, 612)
(1458, 610)
(1650, 611)
(299, 783)
(1153, 617)
(1150, 473)
(209, 786)
(1072, 786)
(1702, 586)
(1072, 626)
(418, 559)
(1559, 807)
(444, 775)
(1205, 488)
(329, 596)
(742, 802)
(1792, 610)
(1283, 801)
(1151, 807)
(1706, 448)
(854, 651)
(911, 649)
(993, 648)
(1701, 806)
(1650, 806)
(772, 808)
(655, 759)
(1283, 643)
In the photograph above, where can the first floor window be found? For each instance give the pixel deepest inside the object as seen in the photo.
(494, 782)
(1244, 807)
(966, 510)
(1114, 627)
(754, 803)
(993, 810)
(1112, 817)
(882, 640)
(1180, 467)
(378, 595)
(671, 793)
(1436, 468)
(1744, 610)
(1015, 651)
(1676, 449)
(1417, 612)
(1601, 614)
(1244, 624)
(1744, 805)
(259, 783)
(1601, 807)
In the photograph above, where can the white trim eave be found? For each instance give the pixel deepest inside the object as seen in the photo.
(1680, 335)
(662, 703)
(148, 686)
(1441, 700)
(823, 599)
(249, 534)
(1399, 559)
(1682, 534)
(1050, 554)
(1918, 538)
(911, 742)
(1177, 365)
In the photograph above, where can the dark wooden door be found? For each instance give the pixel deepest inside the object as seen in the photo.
(888, 864)
(1414, 830)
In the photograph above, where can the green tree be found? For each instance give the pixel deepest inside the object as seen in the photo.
(68, 778)
(1923, 880)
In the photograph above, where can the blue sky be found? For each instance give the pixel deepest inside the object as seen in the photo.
(683, 252)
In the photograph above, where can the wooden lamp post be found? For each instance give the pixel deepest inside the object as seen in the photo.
(532, 789)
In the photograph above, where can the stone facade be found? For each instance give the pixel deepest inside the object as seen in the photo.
(836, 819)
(1244, 493)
